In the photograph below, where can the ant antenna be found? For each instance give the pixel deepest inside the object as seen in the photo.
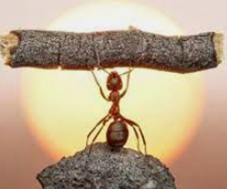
(127, 72)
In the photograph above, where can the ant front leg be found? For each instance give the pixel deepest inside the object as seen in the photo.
(127, 82)
(95, 77)
(99, 85)
(134, 124)
(101, 121)
(103, 94)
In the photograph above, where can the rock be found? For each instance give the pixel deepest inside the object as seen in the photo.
(107, 168)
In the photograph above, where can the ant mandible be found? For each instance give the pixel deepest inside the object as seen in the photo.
(117, 132)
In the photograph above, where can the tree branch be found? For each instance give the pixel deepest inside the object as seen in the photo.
(53, 49)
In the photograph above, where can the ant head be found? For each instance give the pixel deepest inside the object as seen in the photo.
(114, 81)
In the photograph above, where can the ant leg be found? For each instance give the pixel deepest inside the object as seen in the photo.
(103, 125)
(89, 134)
(99, 85)
(137, 137)
(96, 79)
(140, 130)
(128, 79)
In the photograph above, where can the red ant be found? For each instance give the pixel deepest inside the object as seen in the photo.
(117, 133)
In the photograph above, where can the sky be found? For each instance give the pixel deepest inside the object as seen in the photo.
(203, 163)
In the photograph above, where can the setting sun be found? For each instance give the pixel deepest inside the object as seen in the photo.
(61, 107)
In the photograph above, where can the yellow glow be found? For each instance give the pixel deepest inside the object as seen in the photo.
(63, 106)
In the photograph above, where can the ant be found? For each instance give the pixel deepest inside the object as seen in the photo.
(117, 132)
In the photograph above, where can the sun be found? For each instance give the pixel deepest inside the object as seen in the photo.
(61, 107)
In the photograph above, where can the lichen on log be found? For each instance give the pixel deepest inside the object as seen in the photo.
(133, 47)
(107, 169)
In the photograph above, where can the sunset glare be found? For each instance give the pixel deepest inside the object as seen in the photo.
(61, 107)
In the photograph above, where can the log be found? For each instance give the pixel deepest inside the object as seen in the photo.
(108, 49)
(107, 169)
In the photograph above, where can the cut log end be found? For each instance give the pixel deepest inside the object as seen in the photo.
(7, 44)
(218, 44)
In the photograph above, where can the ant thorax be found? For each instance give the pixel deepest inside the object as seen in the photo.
(115, 96)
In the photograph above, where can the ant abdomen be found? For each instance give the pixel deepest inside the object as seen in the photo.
(117, 134)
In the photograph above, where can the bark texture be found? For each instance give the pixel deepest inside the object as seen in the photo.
(107, 169)
(53, 49)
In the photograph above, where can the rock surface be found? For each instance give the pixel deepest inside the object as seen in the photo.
(106, 168)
